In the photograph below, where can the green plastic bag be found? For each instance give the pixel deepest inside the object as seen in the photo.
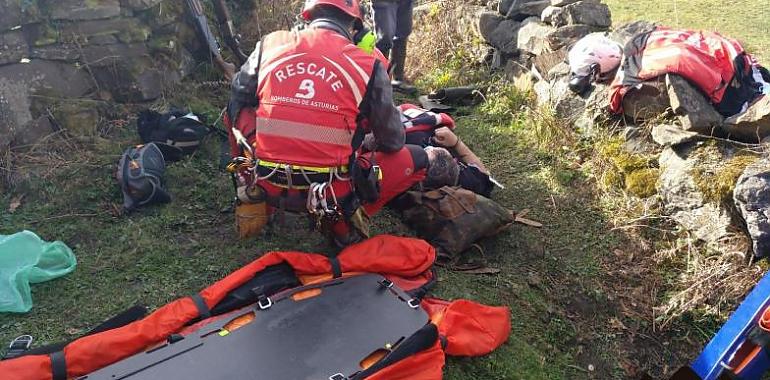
(26, 259)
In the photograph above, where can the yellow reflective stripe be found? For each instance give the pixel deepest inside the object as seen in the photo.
(303, 131)
(284, 186)
(298, 168)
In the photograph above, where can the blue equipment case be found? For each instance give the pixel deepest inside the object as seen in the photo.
(711, 363)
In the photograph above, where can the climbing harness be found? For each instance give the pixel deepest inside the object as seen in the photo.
(320, 208)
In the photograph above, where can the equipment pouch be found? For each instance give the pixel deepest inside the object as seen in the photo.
(366, 179)
(360, 222)
(250, 218)
(453, 219)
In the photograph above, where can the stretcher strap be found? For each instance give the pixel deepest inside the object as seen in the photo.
(58, 366)
(420, 341)
(203, 309)
(336, 267)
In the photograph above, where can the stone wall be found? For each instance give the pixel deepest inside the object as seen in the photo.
(61, 59)
(666, 118)
(526, 32)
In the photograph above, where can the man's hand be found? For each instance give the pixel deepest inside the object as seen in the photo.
(445, 137)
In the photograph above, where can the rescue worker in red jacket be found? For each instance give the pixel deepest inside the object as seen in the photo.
(304, 100)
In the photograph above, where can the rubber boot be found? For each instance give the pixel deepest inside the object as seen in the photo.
(397, 66)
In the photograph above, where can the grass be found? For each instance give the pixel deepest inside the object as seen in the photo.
(580, 295)
(746, 20)
(164, 252)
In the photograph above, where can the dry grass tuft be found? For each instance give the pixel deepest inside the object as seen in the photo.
(265, 17)
(709, 279)
(446, 49)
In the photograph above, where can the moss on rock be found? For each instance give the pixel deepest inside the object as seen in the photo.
(715, 176)
(620, 169)
(624, 161)
(79, 118)
(134, 32)
(44, 34)
(642, 182)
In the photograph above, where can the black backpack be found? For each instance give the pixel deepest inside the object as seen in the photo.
(181, 129)
(140, 174)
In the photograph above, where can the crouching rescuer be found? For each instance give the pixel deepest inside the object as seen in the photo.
(300, 108)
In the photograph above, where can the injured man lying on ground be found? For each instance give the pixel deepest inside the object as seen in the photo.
(449, 161)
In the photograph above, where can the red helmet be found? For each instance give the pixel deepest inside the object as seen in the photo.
(350, 7)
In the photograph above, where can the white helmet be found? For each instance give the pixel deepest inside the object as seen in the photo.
(595, 48)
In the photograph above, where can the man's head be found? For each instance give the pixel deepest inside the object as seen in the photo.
(343, 11)
(443, 170)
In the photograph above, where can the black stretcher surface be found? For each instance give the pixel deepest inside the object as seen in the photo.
(312, 339)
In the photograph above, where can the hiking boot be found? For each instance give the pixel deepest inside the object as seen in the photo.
(403, 87)
(352, 237)
(397, 67)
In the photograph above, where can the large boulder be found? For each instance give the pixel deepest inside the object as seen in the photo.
(584, 111)
(693, 108)
(517, 65)
(20, 83)
(753, 125)
(596, 111)
(560, 70)
(488, 23)
(752, 199)
(561, 3)
(31, 133)
(13, 47)
(682, 191)
(566, 104)
(532, 36)
(107, 31)
(10, 16)
(567, 36)
(136, 81)
(549, 14)
(542, 91)
(84, 9)
(522, 9)
(587, 12)
(499, 32)
(93, 55)
(638, 140)
(504, 6)
(546, 61)
(648, 101)
(78, 117)
(139, 5)
(670, 135)
(625, 32)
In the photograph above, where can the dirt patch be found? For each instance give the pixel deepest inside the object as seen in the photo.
(633, 280)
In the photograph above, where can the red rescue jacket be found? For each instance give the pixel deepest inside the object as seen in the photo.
(706, 59)
(311, 84)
